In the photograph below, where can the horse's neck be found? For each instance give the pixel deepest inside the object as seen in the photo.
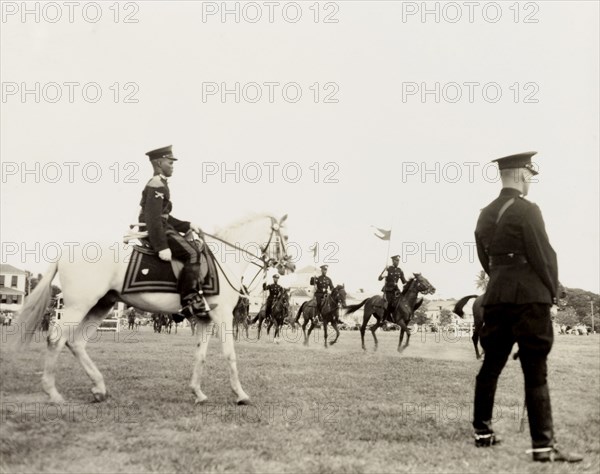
(411, 292)
(249, 235)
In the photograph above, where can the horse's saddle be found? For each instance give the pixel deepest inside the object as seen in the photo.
(146, 272)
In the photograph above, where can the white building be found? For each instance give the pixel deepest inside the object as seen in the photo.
(13, 283)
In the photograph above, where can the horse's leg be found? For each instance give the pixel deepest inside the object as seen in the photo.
(224, 331)
(276, 334)
(260, 321)
(475, 338)
(403, 329)
(304, 324)
(363, 327)
(86, 331)
(337, 333)
(203, 333)
(325, 324)
(374, 328)
(310, 329)
(57, 338)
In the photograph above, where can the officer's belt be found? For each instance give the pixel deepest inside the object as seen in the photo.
(507, 259)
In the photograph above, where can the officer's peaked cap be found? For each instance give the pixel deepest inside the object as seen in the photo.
(521, 160)
(165, 152)
(324, 267)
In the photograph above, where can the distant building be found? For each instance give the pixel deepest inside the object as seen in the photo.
(434, 308)
(13, 283)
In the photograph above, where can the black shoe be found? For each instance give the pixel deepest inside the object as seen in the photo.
(487, 440)
(554, 455)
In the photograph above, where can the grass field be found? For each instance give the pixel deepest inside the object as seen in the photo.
(314, 410)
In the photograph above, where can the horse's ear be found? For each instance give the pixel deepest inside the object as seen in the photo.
(283, 219)
(343, 285)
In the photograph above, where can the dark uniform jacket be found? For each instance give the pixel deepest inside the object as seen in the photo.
(323, 283)
(275, 289)
(391, 280)
(155, 213)
(520, 231)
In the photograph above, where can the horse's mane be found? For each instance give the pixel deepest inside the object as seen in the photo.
(407, 286)
(243, 221)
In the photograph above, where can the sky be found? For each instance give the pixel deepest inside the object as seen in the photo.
(343, 115)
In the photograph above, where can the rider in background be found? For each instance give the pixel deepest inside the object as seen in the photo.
(390, 289)
(164, 232)
(322, 285)
(275, 290)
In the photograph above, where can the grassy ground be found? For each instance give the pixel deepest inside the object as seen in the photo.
(339, 410)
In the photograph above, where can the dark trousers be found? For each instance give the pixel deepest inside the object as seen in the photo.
(320, 297)
(530, 326)
(269, 307)
(390, 296)
(181, 249)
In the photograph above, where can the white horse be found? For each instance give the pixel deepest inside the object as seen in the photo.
(91, 289)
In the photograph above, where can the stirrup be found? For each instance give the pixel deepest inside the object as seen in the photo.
(197, 306)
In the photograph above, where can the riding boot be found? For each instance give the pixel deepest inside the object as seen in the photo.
(192, 299)
(485, 391)
(539, 413)
(188, 280)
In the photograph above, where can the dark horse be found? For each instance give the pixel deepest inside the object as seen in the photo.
(478, 310)
(279, 312)
(240, 316)
(477, 317)
(329, 313)
(402, 312)
(159, 320)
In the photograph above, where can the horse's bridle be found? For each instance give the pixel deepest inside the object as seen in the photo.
(265, 260)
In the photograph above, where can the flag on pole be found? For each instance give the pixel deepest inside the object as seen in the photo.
(383, 234)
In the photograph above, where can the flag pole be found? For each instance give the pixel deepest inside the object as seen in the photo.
(389, 245)
(387, 256)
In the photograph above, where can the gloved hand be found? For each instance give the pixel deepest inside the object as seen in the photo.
(165, 255)
(196, 228)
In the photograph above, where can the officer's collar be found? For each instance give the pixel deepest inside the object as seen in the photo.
(163, 177)
(512, 192)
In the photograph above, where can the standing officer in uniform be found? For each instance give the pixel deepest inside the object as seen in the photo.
(275, 289)
(514, 251)
(323, 283)
(394, 273)
(164, 232)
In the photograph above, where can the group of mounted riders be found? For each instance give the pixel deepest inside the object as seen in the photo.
(165, 238)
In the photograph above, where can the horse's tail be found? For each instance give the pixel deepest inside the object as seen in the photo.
(460, 304)
(31, 316)
(300, 311)
(355, 307)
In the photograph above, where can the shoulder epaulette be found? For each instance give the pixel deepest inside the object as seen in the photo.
(155, 182)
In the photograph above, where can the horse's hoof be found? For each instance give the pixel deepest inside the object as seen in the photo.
(100, 397)
(244, 401)
(58, 399)
(200, 400)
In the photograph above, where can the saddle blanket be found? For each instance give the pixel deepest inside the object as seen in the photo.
(148, 273)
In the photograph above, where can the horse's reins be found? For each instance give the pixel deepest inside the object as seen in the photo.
(262, 267)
